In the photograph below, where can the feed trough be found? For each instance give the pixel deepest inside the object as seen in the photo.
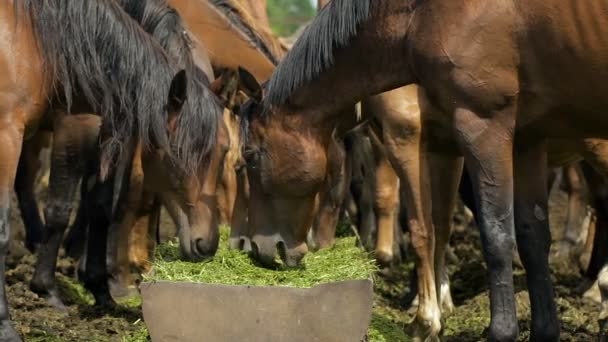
(185, 311)
(230, 298)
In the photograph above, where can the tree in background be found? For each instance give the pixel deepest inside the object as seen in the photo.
(286, 16)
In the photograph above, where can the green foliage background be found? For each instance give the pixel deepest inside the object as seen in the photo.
(286, 16)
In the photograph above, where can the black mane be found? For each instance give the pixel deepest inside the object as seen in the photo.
(95, 50)
(236, 15)
(312, 53)
(198, 121)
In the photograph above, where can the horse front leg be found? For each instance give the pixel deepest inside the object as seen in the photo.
(386, 203)
(577, 211)
(534, 237)
(331, 198)
(446, 170)
(29, 165)
(487, 144)
(68, 165)
(11, 138)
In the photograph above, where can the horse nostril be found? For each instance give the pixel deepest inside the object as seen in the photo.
(204, 248)
(255, 250)
(245, 244)
(282, 248)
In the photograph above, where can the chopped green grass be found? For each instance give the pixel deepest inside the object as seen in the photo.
(344, 261)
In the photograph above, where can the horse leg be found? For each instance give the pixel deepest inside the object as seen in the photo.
(326, 220)
(67, 168)
(123, 221)
(401, 136)
(446, 171)
(386, 200)
(29, 165)
(11, 138)
(362, 187)
(534, 238)
(141, 237)
(77, 235)
(576, 210)
(99, 211)
(488, 149)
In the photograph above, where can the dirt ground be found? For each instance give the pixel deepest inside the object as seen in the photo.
(36, 321)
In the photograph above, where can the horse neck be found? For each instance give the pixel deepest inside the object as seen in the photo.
(257, 9)
(321, 4)
(374, 61)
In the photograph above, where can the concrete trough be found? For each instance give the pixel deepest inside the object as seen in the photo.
(185, 311)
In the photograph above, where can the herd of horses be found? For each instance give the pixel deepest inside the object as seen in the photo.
(194, 105)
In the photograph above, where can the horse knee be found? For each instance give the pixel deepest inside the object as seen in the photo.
(503, 332)
(57, 216)
(499, 252)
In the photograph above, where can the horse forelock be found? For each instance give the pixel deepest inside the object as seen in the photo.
(197, 125)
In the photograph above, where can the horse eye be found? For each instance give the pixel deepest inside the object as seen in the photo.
(252, 157)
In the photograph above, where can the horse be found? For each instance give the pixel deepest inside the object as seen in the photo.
(99, 65)
(191, 199)
(498, 101)
(228, 28)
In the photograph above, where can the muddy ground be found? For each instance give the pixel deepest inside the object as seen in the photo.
(36, 321)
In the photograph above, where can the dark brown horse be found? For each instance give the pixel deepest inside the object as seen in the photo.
(491, 69)
(103, 64)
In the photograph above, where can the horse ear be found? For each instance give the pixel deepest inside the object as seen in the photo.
(225, 87)
(249, 85)
(217, 85)
(178, 91)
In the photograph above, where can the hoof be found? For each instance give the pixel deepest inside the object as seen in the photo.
(51, 296)
(447, 305)
(384, 258)
(603, 334)
(56, 302)
(104, 301)
(593, 293)
(425, 330)
(122, 291)
(8, 332)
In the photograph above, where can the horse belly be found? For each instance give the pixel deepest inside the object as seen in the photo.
(564, 51)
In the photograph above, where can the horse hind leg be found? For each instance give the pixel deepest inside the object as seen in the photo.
(446, 171)
(386, 200)
(401, 135)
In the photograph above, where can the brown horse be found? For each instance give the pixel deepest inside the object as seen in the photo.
(46, 63)
(498, 94)
(191, 195)
(232, 38)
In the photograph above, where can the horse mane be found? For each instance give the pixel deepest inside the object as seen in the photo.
(312, 53)
(94, 50)
(258, 36)
(197, 122)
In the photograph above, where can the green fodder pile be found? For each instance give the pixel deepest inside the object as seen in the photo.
(344, 261)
